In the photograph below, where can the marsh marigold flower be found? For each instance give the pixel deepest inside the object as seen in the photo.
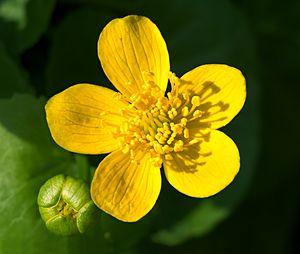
(142, 128)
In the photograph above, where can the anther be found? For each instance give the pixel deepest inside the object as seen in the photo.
(158, 148)
(131, 154)
(168, 157)
(197, 113)
(167, 149)
(177, 102)
(194, 141)
(125, 149)
(186, 133)
(178, 147)
(157, 122)
(195, 101)
(185, 111)
(183, 121)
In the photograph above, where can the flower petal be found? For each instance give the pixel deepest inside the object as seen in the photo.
(129, 50)
(127, 190)
(83, 117)
(222, 90)
(205, 168)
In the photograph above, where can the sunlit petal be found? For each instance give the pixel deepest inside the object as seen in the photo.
(132, 51)
(127, 190)
(83, 117)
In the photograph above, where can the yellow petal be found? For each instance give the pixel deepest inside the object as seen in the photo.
(222, 92)
(130, 49)
(205, 168)
(126, 190)
(83, 117)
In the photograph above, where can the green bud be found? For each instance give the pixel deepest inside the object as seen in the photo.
(65, 205)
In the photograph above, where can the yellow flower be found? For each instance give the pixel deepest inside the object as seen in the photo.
(142, 129)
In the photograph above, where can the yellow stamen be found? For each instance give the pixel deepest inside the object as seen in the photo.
(156, 124)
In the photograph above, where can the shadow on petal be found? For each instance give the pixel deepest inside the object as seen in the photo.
(205, 168)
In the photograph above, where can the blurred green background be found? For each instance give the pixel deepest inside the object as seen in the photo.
(47, 45)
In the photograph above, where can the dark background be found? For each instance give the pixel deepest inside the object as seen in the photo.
(46, 46)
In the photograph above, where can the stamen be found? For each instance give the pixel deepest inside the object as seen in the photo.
(156, 124)
(186, 133)
(195, 101)
(178, 147)
(168, 157)
(185, 111)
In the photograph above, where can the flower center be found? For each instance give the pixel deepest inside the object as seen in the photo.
(157, 124)
(65, 209)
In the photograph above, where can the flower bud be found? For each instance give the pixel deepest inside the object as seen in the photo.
(65, 205)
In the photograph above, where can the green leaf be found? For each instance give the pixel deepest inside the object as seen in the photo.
(73, 56)
(12, 78)
(205, 214)
(14, 11)
(22, 22)
(122, 236)
(200, 32)
(28, 157)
